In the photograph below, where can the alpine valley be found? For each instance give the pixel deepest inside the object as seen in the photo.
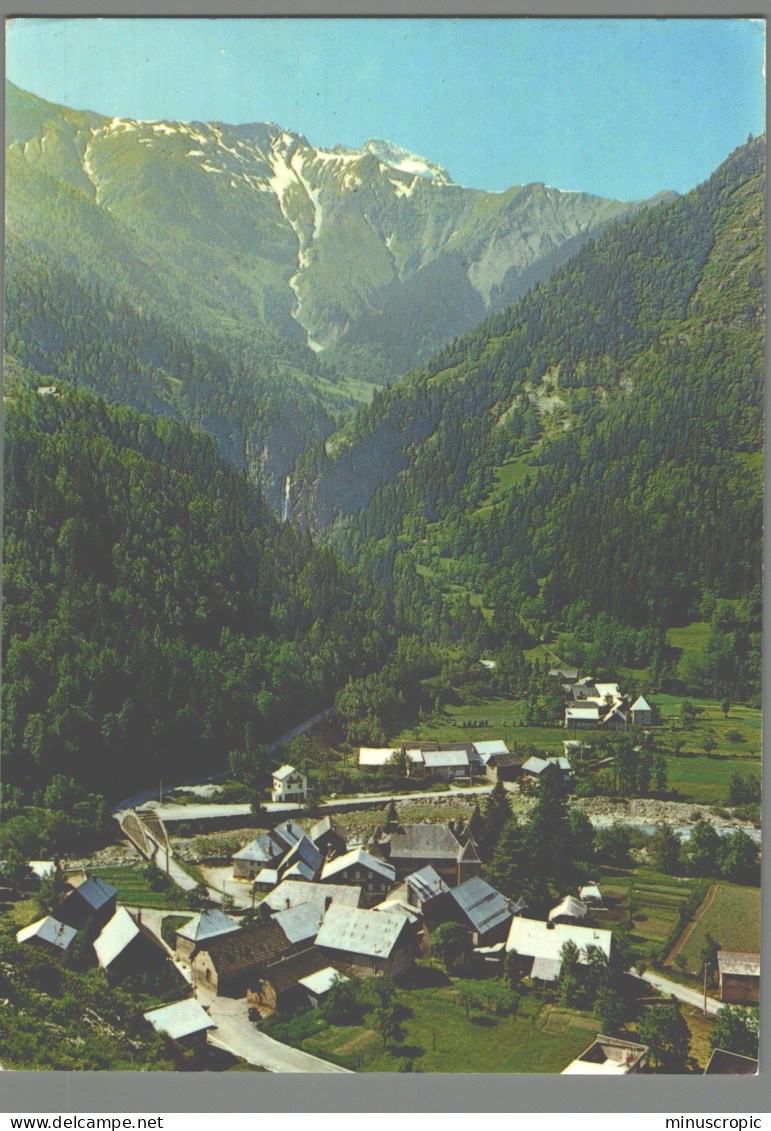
(246, 282)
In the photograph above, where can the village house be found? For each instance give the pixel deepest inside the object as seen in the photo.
(447, 764)
(367, 942)
(484, 910)
(125, 946)
(534, 767)
(504, 767)
(328, 838)
(47, 934)
(539, 945)
(289, 785)
(184, 1022)
(303, 861)
(256, 855)
(292, 893)
(91, 901)
(609, 1056)
(424, 887)
(739, 977)
(411, 847)
(230, 964)
(372, 874)
(278, 986)
(201, 928)
(641, 712)
(582, 717)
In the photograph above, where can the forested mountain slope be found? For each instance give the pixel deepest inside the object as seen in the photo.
(156, 616)
(249, 283)
(596, 450)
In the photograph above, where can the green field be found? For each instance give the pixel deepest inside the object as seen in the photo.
(439, 1038)
(499, 718)
(655, 899)
(134, 888)
(732, 917)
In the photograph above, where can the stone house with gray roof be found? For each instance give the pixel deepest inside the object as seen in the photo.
(367, 942)
(411, 847)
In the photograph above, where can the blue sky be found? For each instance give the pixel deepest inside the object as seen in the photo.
(622, 108)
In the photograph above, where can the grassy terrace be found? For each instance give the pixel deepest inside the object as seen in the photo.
(438, 1037)
(134, 887)
(654, 898)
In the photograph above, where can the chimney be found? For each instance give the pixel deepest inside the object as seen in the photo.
(549, 925)
(327, 902)
(288, 903)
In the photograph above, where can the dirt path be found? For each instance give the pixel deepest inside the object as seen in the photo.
(704, 906)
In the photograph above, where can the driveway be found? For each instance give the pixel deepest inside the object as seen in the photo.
(238, 1035)
(682, 993)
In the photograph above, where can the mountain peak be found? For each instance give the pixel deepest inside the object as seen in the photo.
(405, 161)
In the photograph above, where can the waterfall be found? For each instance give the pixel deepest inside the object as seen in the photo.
(285, 503)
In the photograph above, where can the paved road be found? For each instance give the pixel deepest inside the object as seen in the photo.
(682, 993)
(238, 1035)
(170, 813)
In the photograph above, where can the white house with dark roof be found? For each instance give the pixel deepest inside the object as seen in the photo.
(289, 785)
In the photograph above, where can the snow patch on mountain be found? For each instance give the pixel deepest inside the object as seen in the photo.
(404, 161)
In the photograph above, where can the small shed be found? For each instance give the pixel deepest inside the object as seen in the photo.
(568, 910)
(48, 934)
(724, 1063)
(591, 895)
(584, 717)
(318, 985)
(739, 977)
(185, 1022)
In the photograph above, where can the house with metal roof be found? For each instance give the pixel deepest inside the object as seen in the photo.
(199, 929)
(291, 893)
(125, 946)
(258, 854)
(609, 1056)
(289, 785)
(303, 861)
(446, 764)
(591, 895)
(739, 977)
(328, 838)
(48, 934)
(367, 942)
(641, 712)
(411, 847)
(568, 910)
(540, 944)
(484, 750)
(278, 985)
(535, 766)
(372, 874)
(424, 886)
(318, 985)
(583, 716)
(484, 909)
(185, 1022)
(230, 964)
(93, 900)
(300, 923)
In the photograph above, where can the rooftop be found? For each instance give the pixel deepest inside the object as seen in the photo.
(96, 892)
(427, 842)
(738, 962)
(362, 858)
(545, 940)
(301, 922)
(607, 1056)
(354, 930)
(322, 981)
(284, 772)
(207, 925)
(484, 907)
(48, 930)
(181, 1019)
(426, 883)
(291, 893)
(115, 936)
